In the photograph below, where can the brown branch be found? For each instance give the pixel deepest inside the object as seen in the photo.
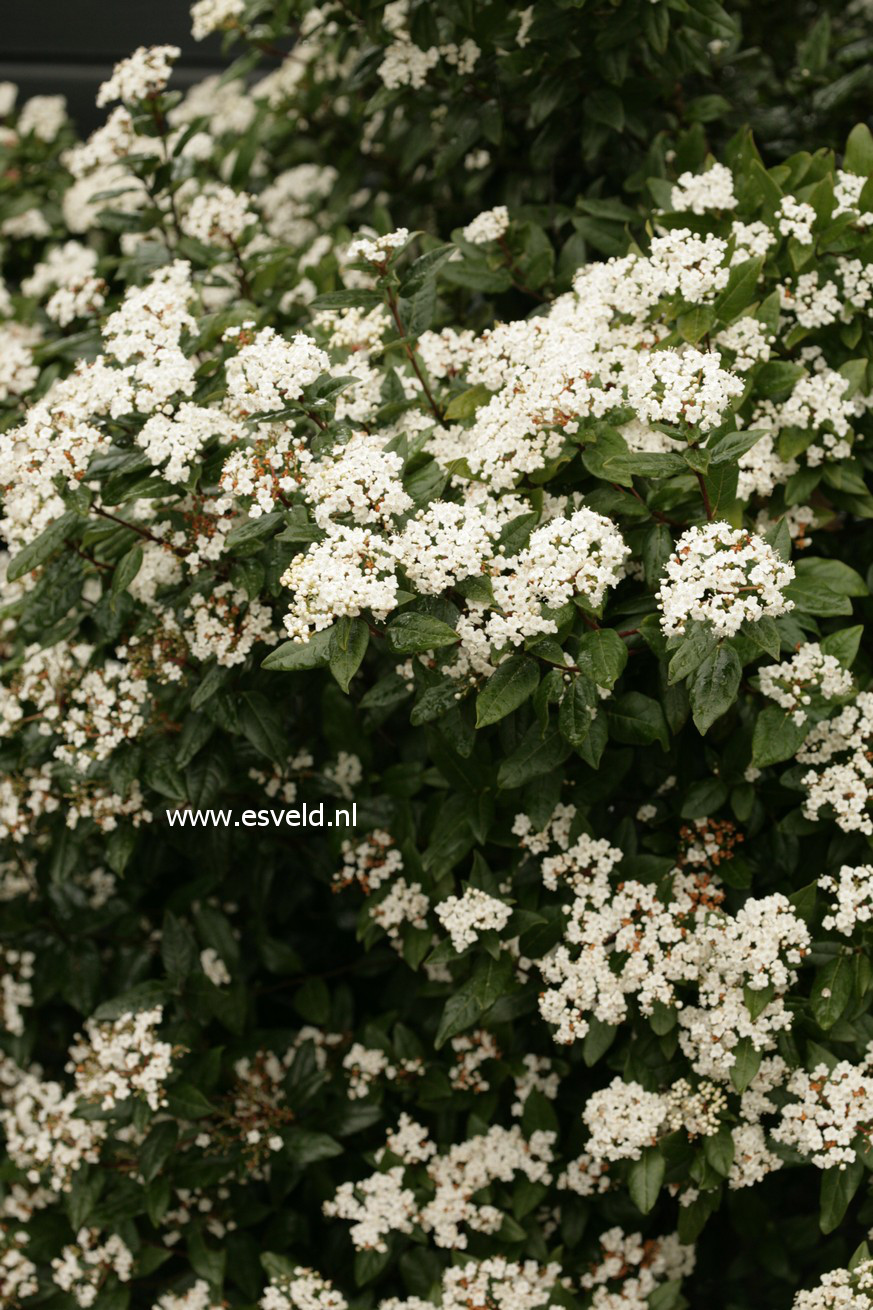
(410, 353)
(517, 279)
(705, 494)
(134, 527)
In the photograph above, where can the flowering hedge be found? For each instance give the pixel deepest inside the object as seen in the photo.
(552, 569)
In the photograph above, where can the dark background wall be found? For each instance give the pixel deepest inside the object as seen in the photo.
(68, 47)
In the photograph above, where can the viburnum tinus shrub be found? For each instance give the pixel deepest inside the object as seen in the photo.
(556, 572)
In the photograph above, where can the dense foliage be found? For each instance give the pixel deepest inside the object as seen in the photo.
(462, 429)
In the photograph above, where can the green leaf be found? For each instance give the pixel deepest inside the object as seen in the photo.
(765, 635)
(721, 487)
(348, 645)
(307, 1147)
(734, 444)
(294, 655)
(598, 1040)
(126, 570)
(645, 1179)
(838, 1186)
(775, 380)
(261, 725)
(756, 999)
(506, 689)
(747, 1062)
(156, 1149)
(704, 798)
(178, 948)
(831, 574)
(477, 275)
(143, 996)
(858, 157)
(831, 991)
(695, 324)
(719, 1151)
(741, 290)
(843, 644)
(470, 1001)
(803, 901)
(657, 549)
(348, 300)
(186, 1101)
(603, 655)
(466, 404)
(714, 687)
(535, 755)
(44, 546)
(637, 720)
(776, 737)
(575, 715)
(205, 1260)
(214, 677)
(408, 634)
(779, 537)
(820, 601)
(253, 530)
(84, 1194)
(694, 647)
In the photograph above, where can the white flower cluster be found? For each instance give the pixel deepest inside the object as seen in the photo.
(538, 1075)
(499, 1284)
(68, 272)
(796, 219)
(350, 572)
(689, 388)
(208, 16)
(622, 1119)
(82, 1268)
(375, 1207)
(631, 1269)
(698, 193)
(465, 917)
(839, 751)
(16, 993)
(404, 903)
(121, 1058)
(382, 1202)
(44, 1135)
(624, 940)
(105, 709)
(377, 250)
(218, 217)
(365, 1065)
(197, 1297)
(698, 1110)
(174, 441)
(809, 677)
(214, 967)
(370, 862)
(722, 576)
(490, 225)
(304, 1289)
(18, 1274)
(406, 64)
(841, 1289)
(831, 1107)
(852, 901)
(143, 74)
(471, 1051)
(225, 625)
(267, 371)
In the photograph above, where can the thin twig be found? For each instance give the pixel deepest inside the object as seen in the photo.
(705, 494)
(410, 353)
